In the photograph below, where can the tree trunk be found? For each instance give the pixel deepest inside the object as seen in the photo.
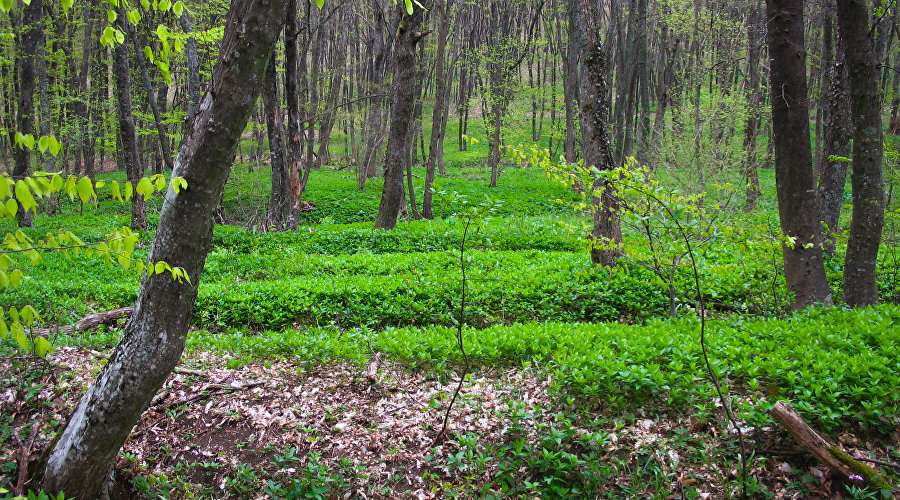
(570, 79)
(833, 167)
(804, 269)
(154, 338)
(193, 71)
(295, 135)
(441, 90)
(278, 199)
(32, 19)
(127, 132)
(860, 286)
(392, 194)
(606, 234)
(751, 131)
(164, 148)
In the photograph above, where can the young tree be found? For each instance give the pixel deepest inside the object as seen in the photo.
(804, 269)
(31, 36)
(408, 35)
(860, 286)
(81, 456)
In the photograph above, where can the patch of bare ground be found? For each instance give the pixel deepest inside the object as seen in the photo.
(281, 429)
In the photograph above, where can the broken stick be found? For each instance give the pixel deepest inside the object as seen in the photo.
(830, 455)
(90, 321)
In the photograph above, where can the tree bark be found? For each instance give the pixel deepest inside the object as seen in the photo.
(751, 130)
(392, 194)
(193, 71)
(804, 269)
(278, 201)
(127, 131)
(154, 338)
(571, 80)
(606, 234)
(296, 173)
(441, 91)
(867, 220)
(833, 166)
(31, 29)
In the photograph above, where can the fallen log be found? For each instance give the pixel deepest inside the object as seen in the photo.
(828, 454)
(89, 322)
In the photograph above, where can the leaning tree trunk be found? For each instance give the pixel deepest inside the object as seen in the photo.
(804, 269)
(860, 286)
(154, 338)
(31, 36)
(606, 234)
(408, 36)
(127, 131)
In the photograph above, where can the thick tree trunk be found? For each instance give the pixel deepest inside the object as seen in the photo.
(606, 234)
(127, 131)
(804, 269)
(860, 286)
(278, 201)
(154, 338)
(392, 194)
(32, 19)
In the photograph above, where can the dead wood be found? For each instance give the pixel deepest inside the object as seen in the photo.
(89, 322)
(828, 454)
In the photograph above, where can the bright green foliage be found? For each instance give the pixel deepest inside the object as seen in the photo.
(117, 247)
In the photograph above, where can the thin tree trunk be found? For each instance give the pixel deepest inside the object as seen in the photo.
(751, 131)
(193, 72)
(127, 131)
(441, 89)
(272, 103)
(297, 172)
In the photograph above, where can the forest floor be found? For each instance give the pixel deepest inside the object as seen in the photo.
(338, 430)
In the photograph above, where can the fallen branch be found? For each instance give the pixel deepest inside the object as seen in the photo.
(208, 390)
(89, 322)
(830, 455)
(372, 369)
(878, 462)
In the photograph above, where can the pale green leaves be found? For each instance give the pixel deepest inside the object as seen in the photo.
(111, 37)
(13, 323)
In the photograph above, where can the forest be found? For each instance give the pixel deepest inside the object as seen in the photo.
(420, 249)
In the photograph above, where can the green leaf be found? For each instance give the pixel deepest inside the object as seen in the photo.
(409, 7)
(24, 197)
(160, 267)
(145, 188)
(145, 4)
(4, 186)
(148, 52)
(4, 279)
(178, 8)
(20, 337)
(129, 190)
(85, 189)
(67, 4)
(12, 207)
(114, 191)
(164, 5)
(5, 5)
(43, 143)
(56, 183)
(29, 315)
(120, 37)
(159, 181)
(42, 347)
(111, 16)
(134, 16)
(320, 3)
(4, 330)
